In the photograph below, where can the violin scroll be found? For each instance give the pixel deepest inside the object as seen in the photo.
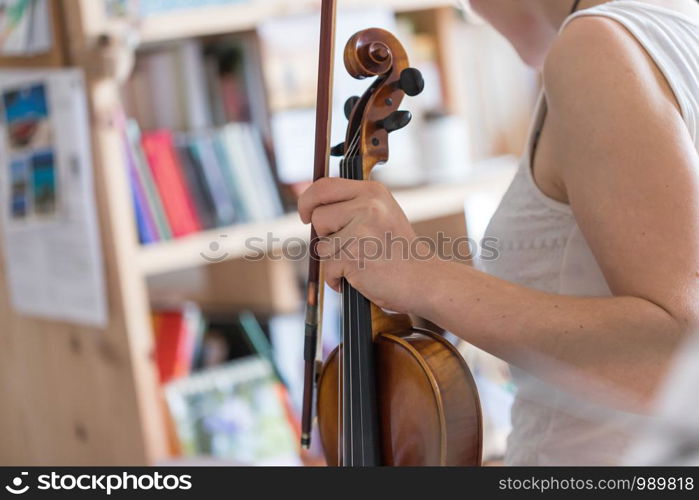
(375, 52)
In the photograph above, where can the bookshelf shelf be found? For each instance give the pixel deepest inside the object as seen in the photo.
(189, 251)
(216, 20)
(420, 204)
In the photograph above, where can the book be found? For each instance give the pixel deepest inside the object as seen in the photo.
(259, 341)
(249, 172)
(256, 91)
(136, 93)
(233, 183)
(234, 78)
(164, 73)
(168, 88)
(170, 181)
(259, 165)
(225, 339)
(238, 175)
(145, 178)
(197, 184)
(194, 85)
(202, 151)
(225, 63)
(236, 412)
(147, 230)
(178, 334)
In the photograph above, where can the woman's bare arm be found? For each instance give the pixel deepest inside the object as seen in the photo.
(631, 174)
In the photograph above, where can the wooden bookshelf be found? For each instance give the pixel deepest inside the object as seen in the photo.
(420, 204)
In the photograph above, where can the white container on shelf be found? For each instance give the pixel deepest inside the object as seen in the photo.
(446, 149)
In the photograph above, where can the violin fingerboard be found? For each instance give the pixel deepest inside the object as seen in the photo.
(360, 423)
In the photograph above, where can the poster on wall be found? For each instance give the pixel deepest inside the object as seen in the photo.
(52, 257)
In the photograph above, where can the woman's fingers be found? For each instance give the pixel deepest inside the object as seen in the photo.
(337, 246)
(329, 219)
(340, 255)
(327, 191)
(333, 273)
(335, 269)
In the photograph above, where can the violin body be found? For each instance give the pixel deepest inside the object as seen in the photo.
(429, 411)
(389, 394)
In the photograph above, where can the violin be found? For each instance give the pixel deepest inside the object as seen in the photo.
(390, 393)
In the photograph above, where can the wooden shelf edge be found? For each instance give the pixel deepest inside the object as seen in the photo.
(216, 20)
(236, 242)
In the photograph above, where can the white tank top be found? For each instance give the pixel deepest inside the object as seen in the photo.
(541, 246)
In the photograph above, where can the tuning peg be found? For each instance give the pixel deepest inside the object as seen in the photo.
(338, 150)
(349, 105)
(395, 121)
(411, 81)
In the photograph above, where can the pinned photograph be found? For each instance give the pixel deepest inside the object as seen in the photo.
(27, 117)
(19, 188)
(44, 182)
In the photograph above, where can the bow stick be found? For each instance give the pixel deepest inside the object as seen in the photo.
(314, 292)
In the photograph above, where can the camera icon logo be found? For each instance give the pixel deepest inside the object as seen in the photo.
(16, 487)
(215, 254)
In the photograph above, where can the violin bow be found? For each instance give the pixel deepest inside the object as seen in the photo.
(314, 292)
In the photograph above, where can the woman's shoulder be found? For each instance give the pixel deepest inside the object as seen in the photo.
(596, 58)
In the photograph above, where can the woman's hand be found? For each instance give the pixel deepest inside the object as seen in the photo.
(364, 237)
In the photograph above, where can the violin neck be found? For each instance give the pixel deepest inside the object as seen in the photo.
(360, 422)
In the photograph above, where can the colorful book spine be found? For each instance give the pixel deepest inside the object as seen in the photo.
(170, 181)
(147, 231)
(154, 203)
(178, 339)
(260, 169)
(233, 182)
(202, 150)
(197, 185)
(241, 174)
(172, 345)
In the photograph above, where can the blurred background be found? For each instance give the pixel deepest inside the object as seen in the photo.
(151, 302)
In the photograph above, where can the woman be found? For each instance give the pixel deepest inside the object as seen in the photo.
(597, 279)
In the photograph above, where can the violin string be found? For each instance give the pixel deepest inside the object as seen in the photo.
(350, 365)
(359, 363)
(354, 146)
(350, 370)
(341, 368)
(340, 395)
